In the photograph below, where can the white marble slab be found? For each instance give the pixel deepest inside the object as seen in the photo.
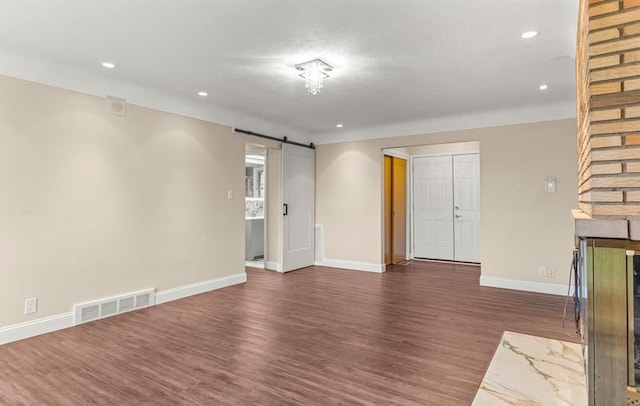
(528, 370)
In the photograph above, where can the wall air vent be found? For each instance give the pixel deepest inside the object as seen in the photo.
(126, 304)
(99, 309)
(116, 106)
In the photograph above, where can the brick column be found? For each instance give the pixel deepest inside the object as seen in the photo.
(608, 76)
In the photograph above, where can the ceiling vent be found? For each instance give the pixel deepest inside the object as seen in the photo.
(99, 309)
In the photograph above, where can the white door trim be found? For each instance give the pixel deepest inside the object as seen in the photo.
(395, 154)
(442, 154)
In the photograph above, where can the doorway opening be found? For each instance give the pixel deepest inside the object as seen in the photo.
(255, 188)
(279, 206)
(395, 212)
(442, 202)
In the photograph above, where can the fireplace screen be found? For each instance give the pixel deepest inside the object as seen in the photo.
(634, 323)
(610, 319)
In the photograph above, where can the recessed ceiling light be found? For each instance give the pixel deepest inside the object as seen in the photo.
(203, 94)
(543, 87)
(108, 65)
(529, 34)
(339, 125)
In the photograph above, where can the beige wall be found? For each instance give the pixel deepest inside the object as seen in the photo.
(522, 226)
(274, 206)
(94, 205)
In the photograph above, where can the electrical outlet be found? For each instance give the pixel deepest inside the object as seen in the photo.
(542, 270)
(31, 305)
(551, 272)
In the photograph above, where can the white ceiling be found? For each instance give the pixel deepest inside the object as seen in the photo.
(404, 66)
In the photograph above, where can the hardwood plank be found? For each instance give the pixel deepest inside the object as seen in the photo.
(416, 335)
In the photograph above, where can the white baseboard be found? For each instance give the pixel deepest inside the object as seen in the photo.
(352, 265)
(36, 327)
(45, 325)
(319, 241)
(529, 286)
(180, 292)
(273, 266)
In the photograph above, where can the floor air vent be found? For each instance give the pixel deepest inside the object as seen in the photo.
(99, 309)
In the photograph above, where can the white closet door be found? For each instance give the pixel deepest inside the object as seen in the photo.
(433, 207)
(466, 192)
(298, 188)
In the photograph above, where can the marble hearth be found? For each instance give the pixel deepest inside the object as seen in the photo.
(530, 370)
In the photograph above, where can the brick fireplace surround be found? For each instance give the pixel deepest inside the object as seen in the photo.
(608, 118)
(607, 220)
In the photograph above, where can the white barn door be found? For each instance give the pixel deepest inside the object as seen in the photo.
(298, 197)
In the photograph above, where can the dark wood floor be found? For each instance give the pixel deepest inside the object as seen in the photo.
(421, 334)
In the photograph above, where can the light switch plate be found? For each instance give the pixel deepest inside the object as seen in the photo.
(550, 185)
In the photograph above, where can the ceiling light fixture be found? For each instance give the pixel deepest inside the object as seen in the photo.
(313, 73)
(529, 34)
(203, 94)
(543, 87)
(339, 125)
(108, 65)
